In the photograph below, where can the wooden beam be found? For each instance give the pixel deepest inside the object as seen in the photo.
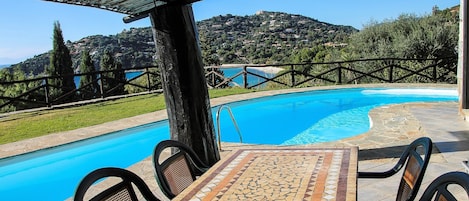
(184, 85)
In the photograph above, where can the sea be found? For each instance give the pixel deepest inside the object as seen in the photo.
(252, 80)
(4, 65)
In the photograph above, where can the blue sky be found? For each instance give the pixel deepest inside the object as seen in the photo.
(26, 25)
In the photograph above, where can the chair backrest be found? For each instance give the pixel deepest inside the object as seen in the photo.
(439, 187)
(122, 190)
(179, 170)
(417, 156)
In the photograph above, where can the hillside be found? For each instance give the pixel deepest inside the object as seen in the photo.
(265, 37)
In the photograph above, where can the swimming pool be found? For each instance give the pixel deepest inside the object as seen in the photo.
(316, 116)
(53, 174)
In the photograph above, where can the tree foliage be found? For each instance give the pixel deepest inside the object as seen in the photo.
(112, 81)
(60, 65)
(88, 83)
(407, 37)
(18, 89)
(410, 37)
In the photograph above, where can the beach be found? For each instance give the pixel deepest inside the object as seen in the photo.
(270, 70)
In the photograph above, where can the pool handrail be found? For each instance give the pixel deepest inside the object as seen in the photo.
(232, 119)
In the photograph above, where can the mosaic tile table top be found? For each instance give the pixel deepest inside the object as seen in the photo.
(287, 173)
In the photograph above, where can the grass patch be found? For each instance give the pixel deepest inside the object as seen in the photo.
(215, 93)
(33, 124)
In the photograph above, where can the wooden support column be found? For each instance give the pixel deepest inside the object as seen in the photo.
(185, 89)
(463, 71)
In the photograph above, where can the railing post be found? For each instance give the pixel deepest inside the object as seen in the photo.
(292, 75)
(147, 71)
(46, 92)
(213, 76)
(245, 77)
(391, 72)
(339, 74)
(101, 87)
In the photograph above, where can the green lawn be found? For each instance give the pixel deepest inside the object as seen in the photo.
(33, 124)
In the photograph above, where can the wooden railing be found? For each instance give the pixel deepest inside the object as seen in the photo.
(38, 90)
(387, 70)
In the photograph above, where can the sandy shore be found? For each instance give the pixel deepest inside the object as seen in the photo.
(270, 70)
(265, 69)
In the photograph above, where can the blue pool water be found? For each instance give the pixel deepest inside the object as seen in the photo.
(54, 173)
(298, 118)
(316, 116)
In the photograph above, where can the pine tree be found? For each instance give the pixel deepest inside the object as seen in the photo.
(106, 63)
(61, 66)
(112, 79)
(88, 82)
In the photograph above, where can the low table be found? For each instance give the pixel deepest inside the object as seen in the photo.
(280, 173)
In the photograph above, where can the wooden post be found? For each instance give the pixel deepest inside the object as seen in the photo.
(47, 93)
(391, 72)
(184, 85)
(292, 75)
(339, 74)
(147, 71)
(213, 77)
(245, 77)
(101, 87)
(462, 61)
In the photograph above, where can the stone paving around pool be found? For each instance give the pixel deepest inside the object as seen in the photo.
(394, 127)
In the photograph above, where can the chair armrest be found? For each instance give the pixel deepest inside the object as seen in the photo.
(379, 175)
(466, 165)
(372, 175)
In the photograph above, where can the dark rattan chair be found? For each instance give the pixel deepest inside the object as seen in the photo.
(122, 191)
(179, 170)
(439, 187)
(415, 158)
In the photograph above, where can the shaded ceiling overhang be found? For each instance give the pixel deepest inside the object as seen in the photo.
(134, 9)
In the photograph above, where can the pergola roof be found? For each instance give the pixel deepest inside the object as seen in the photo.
(135, 9)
